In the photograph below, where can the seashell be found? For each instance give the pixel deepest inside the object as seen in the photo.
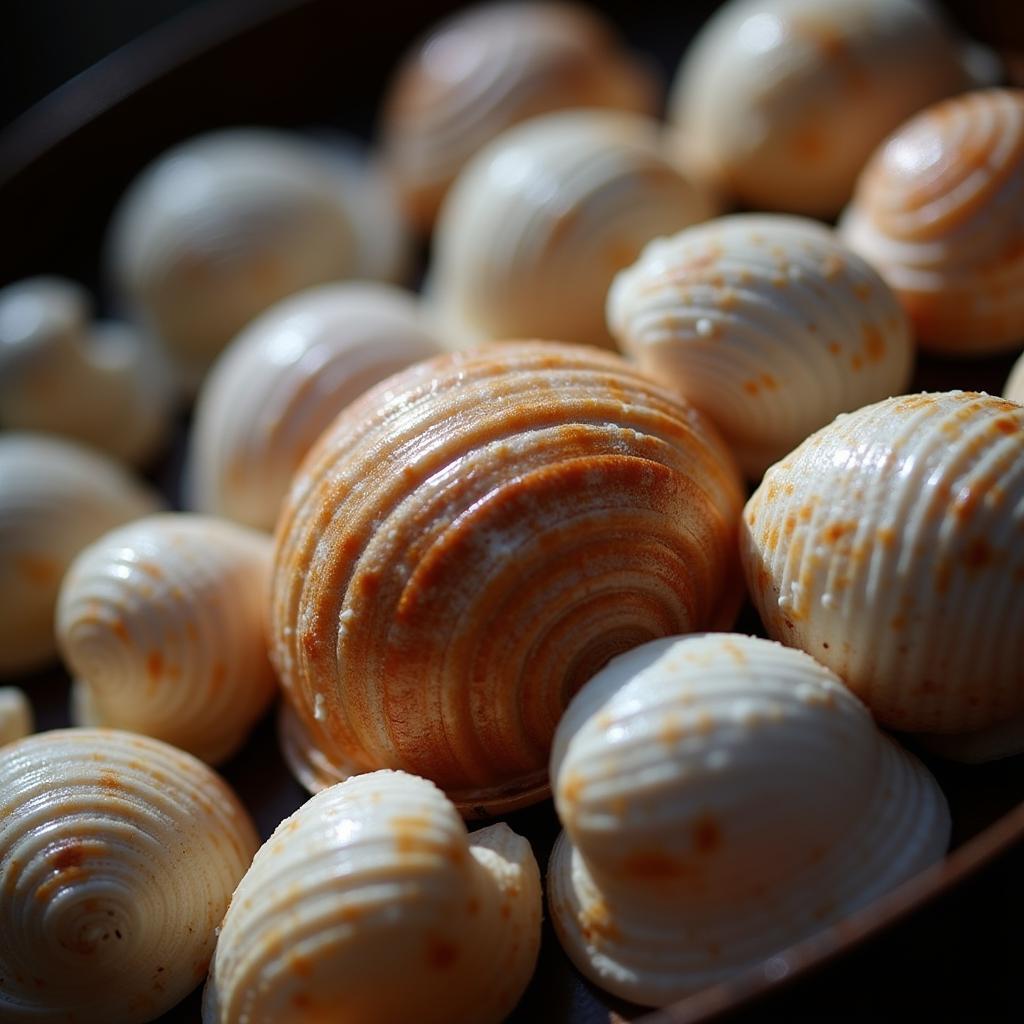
(1014, 387)
(280, 383)
(16, 718)
(161, 624)
(469, 542)
(118, 857)
(103, 384)
(540, 221)
(723, 797)
(781, 102)
(55, 498)
(888, 546)
(487, 68)
(765, 323)
(939, 211)
(372, 897)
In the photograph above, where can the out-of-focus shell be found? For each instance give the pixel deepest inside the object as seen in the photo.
(487, 68)
(540, 221)
(103, 384)
(781, 102)
(723, 797)
(469, 542)
(281, 382)
(1014, 387)
(118, 857)
(16, 718)
(55, 498)
(939, 211)
(765, 323)
(161, 623)
(888, 545)
(372, 904)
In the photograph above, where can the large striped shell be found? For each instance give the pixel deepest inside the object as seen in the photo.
(281, 382)
(939, 211)
(469, 542)
(540, 221)
(371, 904)
(16, 717)
(765, 323)
(118, 857)
(55, 498)
(723, 797)
(161, 624)
(889, 546)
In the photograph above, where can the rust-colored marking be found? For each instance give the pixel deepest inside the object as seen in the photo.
(109, 780)
(441, 954)
(874, 344)
(835, 532)
(1006, 425)
(154, 665)
(412, 834)
(654, 864)
(707, 834)
(835, 348)
(596, 922)
(979, 554)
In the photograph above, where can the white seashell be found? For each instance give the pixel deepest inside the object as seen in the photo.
(280, 383)
(723, 797)
(103, 384)
(1014, 387)
(161, 624)
(372, 898)
(16, 718)
(540, 221)
(767, 324)
(55, 498)
(909, 515)
(118, 857)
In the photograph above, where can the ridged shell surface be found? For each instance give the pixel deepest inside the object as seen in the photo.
(939, 211)
(16, 718)
(890, 545)
(281, 382)
(161, 624)
(767, 324)
(118, 857)
(371, 905)
(723, 797)
(471, 541)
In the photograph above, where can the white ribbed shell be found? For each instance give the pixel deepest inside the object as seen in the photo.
(888, 545)
(371, 905)
(161, 623)
(280, 383)
(118, 856)
(723, 797)
(767, 324)
(16, 718)
(1014, 387)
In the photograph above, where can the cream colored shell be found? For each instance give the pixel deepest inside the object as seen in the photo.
(372, 905)
(280, 383)
(1014, 387)
(161, 625)
(888, 545)
(767, 324)
(723, 797)
(55, 498)
(539, 222)
(16, 718)
(118, 857)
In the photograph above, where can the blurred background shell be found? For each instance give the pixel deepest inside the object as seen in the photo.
(16, 717)
(1014, 387)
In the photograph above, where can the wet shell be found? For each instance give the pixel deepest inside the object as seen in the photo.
(282, 381)
(161, 625)
(55, 498)
(118, 856)
(939, 211)
(16, 718)
(541, 220)
(1014, 388)
(765, 323)
(371, 904)
(473, 539)
(723, 797)
(888, 545)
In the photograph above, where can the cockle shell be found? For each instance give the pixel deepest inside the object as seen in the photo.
(540, 221)
(767, 324)
(487, 68)
(889, 546)
(372, 905)
(939, 211)
(161, 624)
(118, 856)
(16, 718)
(469, 542)
(1014, 387)
(723, 797)
(55, 498)
(281, 382)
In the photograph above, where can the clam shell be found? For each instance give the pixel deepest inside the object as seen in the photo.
(372, 897)
(723, 797)
(16, 718)
(765, 323)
